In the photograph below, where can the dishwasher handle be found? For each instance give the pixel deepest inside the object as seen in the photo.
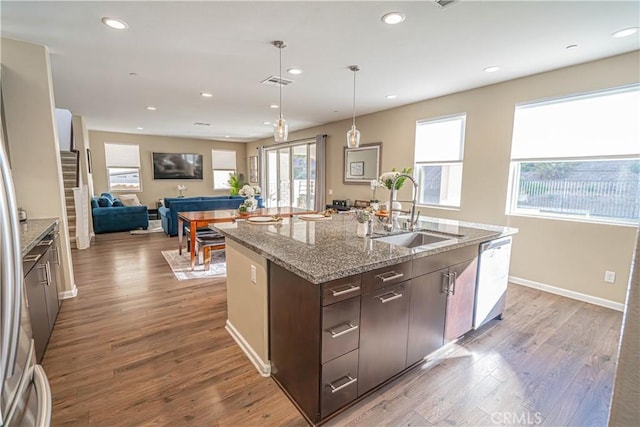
(495, 244)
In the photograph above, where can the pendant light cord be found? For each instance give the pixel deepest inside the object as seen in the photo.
(280, 77)
(354, 96)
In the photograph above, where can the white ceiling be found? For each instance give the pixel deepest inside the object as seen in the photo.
(179, 49)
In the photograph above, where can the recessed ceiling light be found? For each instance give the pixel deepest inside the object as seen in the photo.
(393, 18)
(625, 32)
(571, 46)
(206, 94)
(151, 108)
(227, 136)
(114, 23)
(266, 123)
(295, 71)
(491, 69)
(274, 106)
(140, 128)
(391, 96)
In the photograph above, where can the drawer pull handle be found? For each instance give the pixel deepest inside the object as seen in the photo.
(350, 381)
(32, 258)
(350, 328)
(391, 298)
(351, 288)
(391, 275)
(45, 243)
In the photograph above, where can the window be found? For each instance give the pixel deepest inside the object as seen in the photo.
(123, 166)
(224, 164)
(578, 157)
(439, 150)
(291, 175)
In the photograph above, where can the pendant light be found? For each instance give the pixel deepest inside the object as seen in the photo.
(353, 136)
(280, 127)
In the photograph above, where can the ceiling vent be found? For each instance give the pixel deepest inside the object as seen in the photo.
(445, 3)
(202, 124)
(277, 81)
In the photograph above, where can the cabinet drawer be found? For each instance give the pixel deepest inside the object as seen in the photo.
(339, 383)
(340, 328)
(340, 289)
(435, 262)
(385, 276)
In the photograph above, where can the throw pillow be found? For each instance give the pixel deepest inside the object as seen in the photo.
(130, 200)
(107, 196)
(117, 203)
(104, 202)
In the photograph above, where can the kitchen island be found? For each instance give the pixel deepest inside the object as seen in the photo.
(332, 316)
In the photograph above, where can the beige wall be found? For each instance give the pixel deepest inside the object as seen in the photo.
(33, 141)
(152, 190)
(563, 254)
(247, 302)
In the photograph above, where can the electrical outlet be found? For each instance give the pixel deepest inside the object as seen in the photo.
(253, 274)
(331, 191)
(609, 276)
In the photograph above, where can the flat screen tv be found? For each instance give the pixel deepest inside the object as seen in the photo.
(177, 166)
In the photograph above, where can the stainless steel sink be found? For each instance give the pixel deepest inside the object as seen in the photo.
(414, 239)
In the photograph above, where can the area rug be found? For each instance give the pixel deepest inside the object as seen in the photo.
(155, 226)
(181, 265)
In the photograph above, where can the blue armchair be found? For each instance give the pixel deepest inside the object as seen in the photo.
(109, 215)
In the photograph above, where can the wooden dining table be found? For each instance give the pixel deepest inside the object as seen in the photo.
(201, 219)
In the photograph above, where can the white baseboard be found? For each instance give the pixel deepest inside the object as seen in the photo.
(68, 294)
(264, 368)
(567, 293)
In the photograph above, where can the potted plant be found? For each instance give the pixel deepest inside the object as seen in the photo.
(235, 182)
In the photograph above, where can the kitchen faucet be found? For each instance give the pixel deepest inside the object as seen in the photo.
(414, 219)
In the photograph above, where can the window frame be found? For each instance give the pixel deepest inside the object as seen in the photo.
(417, 164)
(515, 165)
(122, 166)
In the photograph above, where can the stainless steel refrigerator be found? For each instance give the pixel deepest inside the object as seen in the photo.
(25, 396)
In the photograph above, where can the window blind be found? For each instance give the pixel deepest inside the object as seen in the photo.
(440, 139)
(122, 155)
(223, 159)
(590, 125)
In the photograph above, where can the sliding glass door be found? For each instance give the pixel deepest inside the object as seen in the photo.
(291, 175)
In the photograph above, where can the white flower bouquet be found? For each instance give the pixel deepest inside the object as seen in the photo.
(387, 178)
(249, 191)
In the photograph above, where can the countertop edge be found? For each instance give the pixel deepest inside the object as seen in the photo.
(33, 231)
(494, 232)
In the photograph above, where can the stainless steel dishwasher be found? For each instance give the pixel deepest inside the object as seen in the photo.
(493, 276)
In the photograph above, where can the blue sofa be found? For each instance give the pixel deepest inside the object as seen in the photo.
(109, 215)
(173, 205)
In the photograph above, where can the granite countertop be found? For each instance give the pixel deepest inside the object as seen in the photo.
(320, 251)
(33, 231)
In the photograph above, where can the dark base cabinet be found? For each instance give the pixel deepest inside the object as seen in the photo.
(426, 315)
(41, 293)
(313, 340)
(333, 343)
(383, 335)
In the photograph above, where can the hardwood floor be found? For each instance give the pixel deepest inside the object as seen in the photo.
(137, 347)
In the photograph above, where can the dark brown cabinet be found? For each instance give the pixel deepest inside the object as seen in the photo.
(34, 283)
(426, 315)
(42, 294)
(329, 344)
(383, 335)
(314, 335)
(461, 289)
